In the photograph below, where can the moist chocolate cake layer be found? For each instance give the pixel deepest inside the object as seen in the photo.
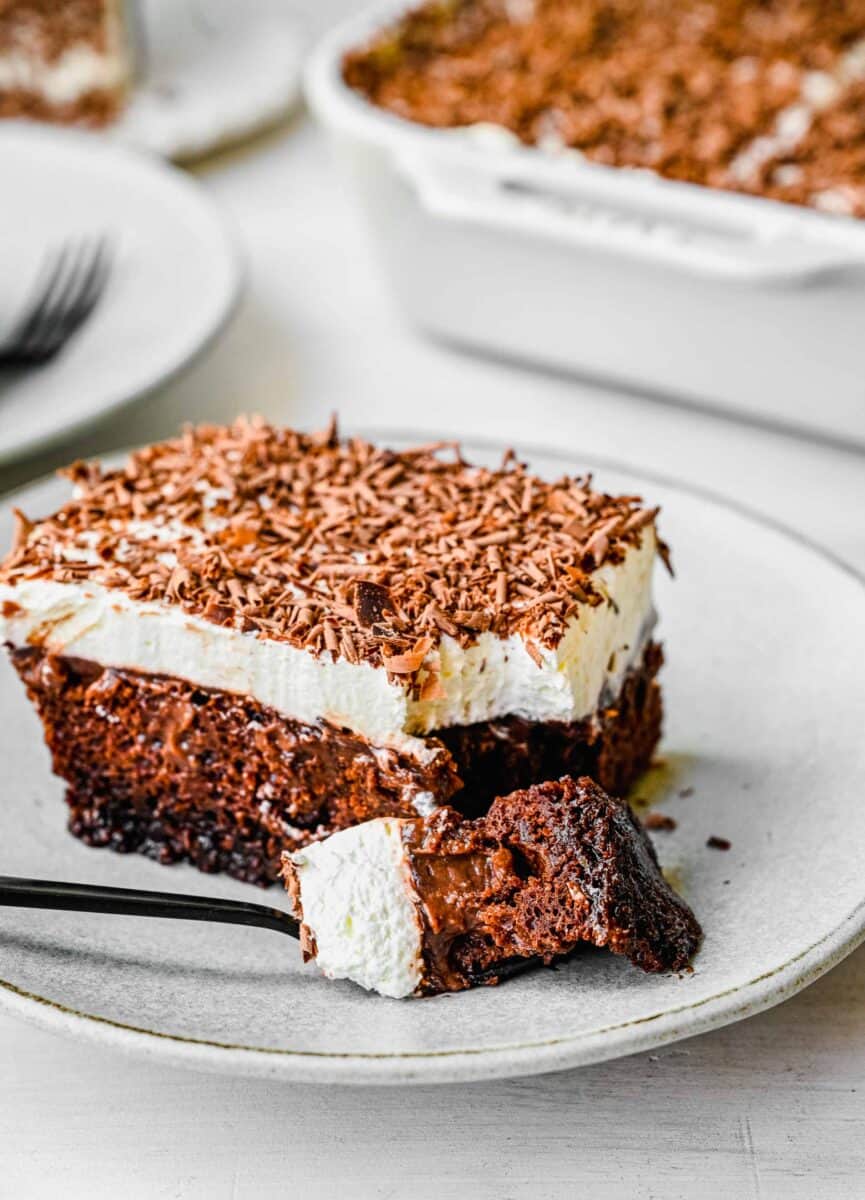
(547, 868)
(181, 773)
(178, 772)
(613, 747)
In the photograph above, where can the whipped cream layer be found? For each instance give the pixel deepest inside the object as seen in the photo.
(358, 904)
(491, 678)
(76, 73)
(497, 677)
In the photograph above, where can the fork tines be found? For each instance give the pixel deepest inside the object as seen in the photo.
(68, 289)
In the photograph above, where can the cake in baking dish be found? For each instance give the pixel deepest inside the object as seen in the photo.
(248, 638)
(762, 97)
(64, 60)
(409, 907)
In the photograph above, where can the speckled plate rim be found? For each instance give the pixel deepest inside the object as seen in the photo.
(504, 1061)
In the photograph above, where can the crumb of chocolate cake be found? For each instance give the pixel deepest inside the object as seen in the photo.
(686, 793)
(718, 843)
(657, 820)
(337, 546)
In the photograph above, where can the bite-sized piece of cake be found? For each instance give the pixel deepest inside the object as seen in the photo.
(64, 60)
(247, 638)
(727, 93)
(438, 904)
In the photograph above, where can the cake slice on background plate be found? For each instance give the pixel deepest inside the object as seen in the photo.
(247, 638)
(438, 904)
(68, 61)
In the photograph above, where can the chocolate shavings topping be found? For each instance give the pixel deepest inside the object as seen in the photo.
(337, 546)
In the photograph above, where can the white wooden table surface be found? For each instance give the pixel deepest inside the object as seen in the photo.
(772, 1107)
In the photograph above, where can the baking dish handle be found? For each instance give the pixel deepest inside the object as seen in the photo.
(767, 251)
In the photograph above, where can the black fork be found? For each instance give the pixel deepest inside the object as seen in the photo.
(132, 902)
(67, 291)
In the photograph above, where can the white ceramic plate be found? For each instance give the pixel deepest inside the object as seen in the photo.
(765, 639)
(174, 283)
(211, 72)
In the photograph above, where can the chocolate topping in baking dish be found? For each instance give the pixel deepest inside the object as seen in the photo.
(756, 97)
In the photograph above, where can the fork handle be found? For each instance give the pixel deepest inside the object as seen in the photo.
(133, 902)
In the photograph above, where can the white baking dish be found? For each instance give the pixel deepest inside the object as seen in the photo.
(734, 301)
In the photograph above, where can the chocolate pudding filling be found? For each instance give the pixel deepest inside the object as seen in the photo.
(547, 868)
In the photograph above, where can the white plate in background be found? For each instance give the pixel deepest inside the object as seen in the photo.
(175, 279)
(765, 639)
(211, 72)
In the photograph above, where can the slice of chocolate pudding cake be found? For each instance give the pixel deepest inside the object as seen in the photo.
(248, 638)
